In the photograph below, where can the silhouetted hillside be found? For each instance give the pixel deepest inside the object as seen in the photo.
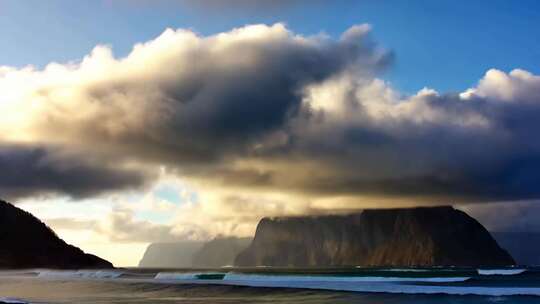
(29, 243)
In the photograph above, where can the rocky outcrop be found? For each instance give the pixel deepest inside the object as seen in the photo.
(383, 237)
(220, 252)
(29, 243)
(523, 246)
(170, 255)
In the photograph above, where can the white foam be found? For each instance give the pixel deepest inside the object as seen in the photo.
(175, 276)
(434, 269)
(501, 271)
(313, 278)
(10, 300)
(84, 274)
(406, 270)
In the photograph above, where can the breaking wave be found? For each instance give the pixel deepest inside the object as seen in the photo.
(79, 274)
(189, 276)
(501, 271)
(11, 300)
(321, 278)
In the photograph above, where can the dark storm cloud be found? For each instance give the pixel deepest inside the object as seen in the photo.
(30, 171)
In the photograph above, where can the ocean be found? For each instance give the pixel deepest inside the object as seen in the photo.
(273, 285)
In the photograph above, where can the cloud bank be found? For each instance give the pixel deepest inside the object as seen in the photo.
(263, 119)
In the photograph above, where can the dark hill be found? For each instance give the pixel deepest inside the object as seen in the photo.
(29, 243)
(382, 237)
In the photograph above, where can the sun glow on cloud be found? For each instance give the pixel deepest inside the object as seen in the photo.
(258, 121)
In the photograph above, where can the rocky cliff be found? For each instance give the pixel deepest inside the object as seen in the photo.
(384, 237)
(29, 243)
(170, 255)
(220, 251)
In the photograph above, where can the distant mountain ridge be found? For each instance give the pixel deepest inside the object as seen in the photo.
(170, 255)
(29, 243)
(221, 251)
(429, 236)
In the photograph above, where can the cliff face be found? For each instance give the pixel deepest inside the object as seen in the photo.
(392, 237)
(170, 255)
(29, 243)
(220, 252)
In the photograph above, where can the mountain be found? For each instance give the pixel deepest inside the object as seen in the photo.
(436, 236)
(220, 251)
(26, 242)
(524, 246)
(170, 255)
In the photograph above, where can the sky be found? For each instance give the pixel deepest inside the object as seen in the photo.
(127, 122)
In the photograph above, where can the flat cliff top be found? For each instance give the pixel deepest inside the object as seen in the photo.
(374, 211)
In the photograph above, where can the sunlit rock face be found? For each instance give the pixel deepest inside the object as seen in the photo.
(29, 243)
(383, 237)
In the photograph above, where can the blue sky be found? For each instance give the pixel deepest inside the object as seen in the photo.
(446, 45)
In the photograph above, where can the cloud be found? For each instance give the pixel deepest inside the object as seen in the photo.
(361, 137)
(262, 119)
(180, 99)
(122, 227)
(34, 171)
(519, 216)
(71, 224)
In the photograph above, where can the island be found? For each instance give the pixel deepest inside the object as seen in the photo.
(408, 237)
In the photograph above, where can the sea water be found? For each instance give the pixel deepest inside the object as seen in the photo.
(273, 285)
